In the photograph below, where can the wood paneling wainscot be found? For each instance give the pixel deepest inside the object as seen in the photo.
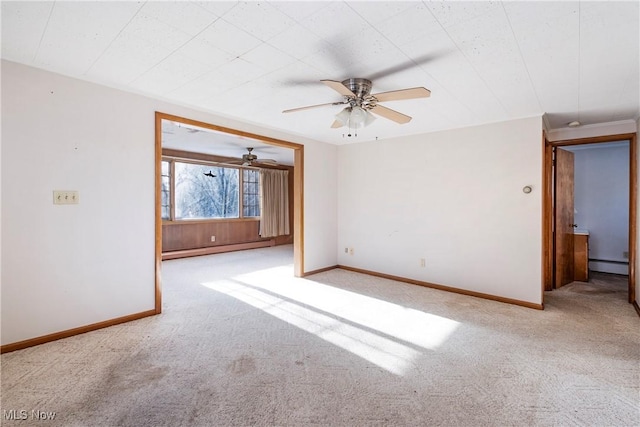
(181, 235)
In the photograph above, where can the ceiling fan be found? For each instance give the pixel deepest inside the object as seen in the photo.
(361, 103)
(251, 159)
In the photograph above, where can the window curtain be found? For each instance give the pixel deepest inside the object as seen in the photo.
(274, 202)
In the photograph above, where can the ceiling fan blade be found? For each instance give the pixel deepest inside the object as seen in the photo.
(336, 124)
(396, 95)
(292, 110)
(390, 114)
(338, 87)
(412, 63)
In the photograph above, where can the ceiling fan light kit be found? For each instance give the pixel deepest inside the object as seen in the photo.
(355, 117)
(369, 118)
(361, 103)
(343, 116)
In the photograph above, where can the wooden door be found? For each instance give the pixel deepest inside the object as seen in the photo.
(563, 242)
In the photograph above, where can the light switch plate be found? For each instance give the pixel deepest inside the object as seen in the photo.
(65, 197)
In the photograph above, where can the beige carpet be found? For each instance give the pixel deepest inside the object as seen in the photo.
(242, 343)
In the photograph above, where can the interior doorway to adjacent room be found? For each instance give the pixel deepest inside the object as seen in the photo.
(192, 153)
(566, 228)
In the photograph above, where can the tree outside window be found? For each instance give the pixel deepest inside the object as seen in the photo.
(199, 195)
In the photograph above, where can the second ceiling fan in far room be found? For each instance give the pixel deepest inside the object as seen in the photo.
(251, 159)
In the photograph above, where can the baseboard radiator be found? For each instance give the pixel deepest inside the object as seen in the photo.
(609, 261)
(217, 249)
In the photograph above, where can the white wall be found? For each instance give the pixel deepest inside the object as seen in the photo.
(453, 198)
(601, 177)
(320, 206)
(68, 266)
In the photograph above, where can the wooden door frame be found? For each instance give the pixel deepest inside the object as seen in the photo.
(547, 205)
(298, 193)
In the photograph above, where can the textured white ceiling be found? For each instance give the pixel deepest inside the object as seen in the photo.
(482, 61)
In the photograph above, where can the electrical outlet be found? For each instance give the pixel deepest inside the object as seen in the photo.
(625, 255)
(213, 238)
(350, 251)
(423, 262)
(64, 197)
(346, 250)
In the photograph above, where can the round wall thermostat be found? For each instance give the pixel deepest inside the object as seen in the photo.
(527, 189)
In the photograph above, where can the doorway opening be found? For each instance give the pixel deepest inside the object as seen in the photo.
(562, 246)
(194, 155)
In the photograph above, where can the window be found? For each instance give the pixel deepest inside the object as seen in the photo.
(166, 188)
(250, 193)
(203, 191)
(200, 190)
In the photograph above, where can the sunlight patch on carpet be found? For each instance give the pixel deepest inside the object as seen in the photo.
(386, 334)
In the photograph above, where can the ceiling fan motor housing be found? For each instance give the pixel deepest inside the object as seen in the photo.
(250, 157)
(360, 87)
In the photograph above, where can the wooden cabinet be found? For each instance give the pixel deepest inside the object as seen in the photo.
(581, 256)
